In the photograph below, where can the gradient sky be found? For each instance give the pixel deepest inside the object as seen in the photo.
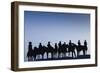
(54, 27)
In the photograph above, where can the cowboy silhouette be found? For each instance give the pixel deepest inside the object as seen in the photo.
(40, 46)
(79, 43)
(30, 52)
(85, 43)
(70, 42)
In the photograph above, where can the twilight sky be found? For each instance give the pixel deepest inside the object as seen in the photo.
(54, 27)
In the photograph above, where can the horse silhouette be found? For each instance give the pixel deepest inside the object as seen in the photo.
(83, 48)
(71, 50)
(58, 51)
(38, 51)
(50, 49)
(62, 49)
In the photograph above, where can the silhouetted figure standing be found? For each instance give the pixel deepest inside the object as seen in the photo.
(64, 49)
(71, 49)
(70, 42)
(85, 43)
(30, 52)
(50, 49)
(56, 49)
(59, 44)
(56, 46)
(41, 50)
(85, 47)
(49, 45)
(60, 48)
(78, 48)
(82, 47)
(40, 46)
(35, 53)
(79, 43)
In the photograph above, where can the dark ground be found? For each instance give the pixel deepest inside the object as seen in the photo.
(66, 58)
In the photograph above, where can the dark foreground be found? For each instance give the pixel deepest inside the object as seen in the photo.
(65, 58)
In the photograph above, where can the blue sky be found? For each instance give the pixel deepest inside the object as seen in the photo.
(52, 26)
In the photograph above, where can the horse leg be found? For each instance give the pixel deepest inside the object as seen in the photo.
(72, 55)
(68, 53)
(65, 54)
(58, 55)
(77, 53)
(51, 55)
(47, 55)
(83, 52)
(42, 56)
(34, 57)
(54, 55)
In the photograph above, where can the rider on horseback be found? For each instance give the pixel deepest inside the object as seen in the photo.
(30, 52)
